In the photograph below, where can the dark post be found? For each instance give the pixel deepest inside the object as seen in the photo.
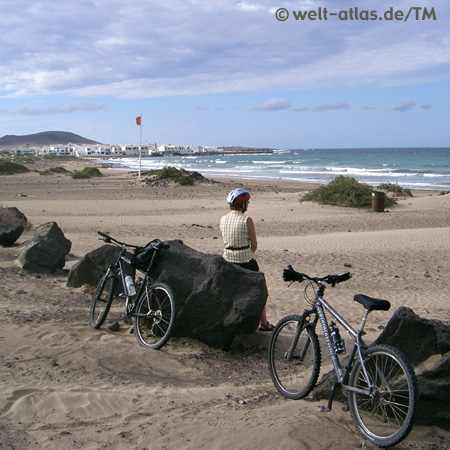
(378, 198)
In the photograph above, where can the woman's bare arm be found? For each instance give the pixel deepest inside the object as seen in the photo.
(252, 234)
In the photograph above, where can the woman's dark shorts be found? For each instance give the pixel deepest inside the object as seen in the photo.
(250, 265)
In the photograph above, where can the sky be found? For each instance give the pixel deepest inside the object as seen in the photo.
(226, 72)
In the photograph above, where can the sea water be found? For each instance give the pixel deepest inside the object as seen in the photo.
(420, 168)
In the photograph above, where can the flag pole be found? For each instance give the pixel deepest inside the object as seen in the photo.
(140, 147)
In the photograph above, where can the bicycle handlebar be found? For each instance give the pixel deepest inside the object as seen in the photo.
(108, 239)
(290, 274)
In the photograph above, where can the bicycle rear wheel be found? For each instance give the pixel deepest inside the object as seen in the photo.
(386, 417)
(294, 357)
(154, 316)
(102, 299)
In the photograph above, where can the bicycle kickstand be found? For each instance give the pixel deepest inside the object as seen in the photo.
(333, 393)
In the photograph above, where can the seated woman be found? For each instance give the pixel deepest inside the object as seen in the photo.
(239, 239)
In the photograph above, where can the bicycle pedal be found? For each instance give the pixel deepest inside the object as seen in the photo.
(324, 409)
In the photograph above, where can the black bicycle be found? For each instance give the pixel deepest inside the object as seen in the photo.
(151, 306)
(378, 381)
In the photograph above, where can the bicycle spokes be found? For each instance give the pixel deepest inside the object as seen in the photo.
(386, 409)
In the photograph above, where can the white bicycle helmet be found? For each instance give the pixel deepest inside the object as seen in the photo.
(235, 193)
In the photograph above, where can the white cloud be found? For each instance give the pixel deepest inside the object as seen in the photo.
(186, 47)
(405, 106)
(52, 110)
(276, 104)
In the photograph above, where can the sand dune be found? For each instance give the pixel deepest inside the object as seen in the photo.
(64, 385)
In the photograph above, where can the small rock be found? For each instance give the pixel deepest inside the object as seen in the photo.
(242, 402)
(285, 250)
(347, 265)
(396, 276)
(427, 275)
(115, 326)
(215, 237)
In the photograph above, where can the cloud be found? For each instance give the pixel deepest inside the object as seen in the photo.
(276, 104)
(332, 107)
(250, 7)
(65, 109)
(324, 108)
(192, 47)
(405, 106)
(426, 107)
(369, 108)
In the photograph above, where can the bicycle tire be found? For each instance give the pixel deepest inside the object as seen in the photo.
(154, 332)
(278, 352)
(384, 365)
(99, 304)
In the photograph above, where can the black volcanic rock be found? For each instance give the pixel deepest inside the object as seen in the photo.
(12, 224)
(92, 266)
(45, 138)
(47, 250)
(215, 300)
(9, 233)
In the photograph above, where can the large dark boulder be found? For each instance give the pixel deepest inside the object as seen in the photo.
(215, 300)
(421, 340)
(92, 266)
(47, 250)
(12, 224)
(418, 338)
(9, 233)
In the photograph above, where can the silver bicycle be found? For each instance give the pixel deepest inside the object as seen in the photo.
(378, 381)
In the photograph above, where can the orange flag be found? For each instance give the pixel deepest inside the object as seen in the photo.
(139, 121)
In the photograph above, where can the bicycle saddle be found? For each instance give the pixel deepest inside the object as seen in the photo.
(372, 304)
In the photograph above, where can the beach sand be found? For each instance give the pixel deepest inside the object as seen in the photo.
(64, 385)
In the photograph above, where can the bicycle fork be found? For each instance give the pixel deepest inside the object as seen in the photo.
(342, 376)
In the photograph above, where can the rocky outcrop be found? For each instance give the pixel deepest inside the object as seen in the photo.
(12, 224)
(215, 300)
(426, 344)
(47, 250)
(92, 266)
(9, 234)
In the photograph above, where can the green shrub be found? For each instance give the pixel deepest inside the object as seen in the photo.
(185, 181)
(345, 191)
(11, 168)
(87, 172)
(180, 176)
(55, 170)
(395, 189)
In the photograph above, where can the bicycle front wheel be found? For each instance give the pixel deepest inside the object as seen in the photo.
(102, 299)
(384, 417)
(154, 316)
(294, 357)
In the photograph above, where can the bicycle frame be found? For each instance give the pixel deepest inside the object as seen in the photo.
(319, 308)
(118, 266)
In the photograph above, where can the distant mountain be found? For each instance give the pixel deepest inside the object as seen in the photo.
(44, 138)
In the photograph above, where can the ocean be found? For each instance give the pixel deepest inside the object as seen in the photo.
(419, 168)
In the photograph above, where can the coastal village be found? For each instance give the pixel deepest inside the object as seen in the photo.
(126, 150)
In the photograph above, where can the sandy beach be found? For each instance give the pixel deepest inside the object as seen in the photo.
(64, 385)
